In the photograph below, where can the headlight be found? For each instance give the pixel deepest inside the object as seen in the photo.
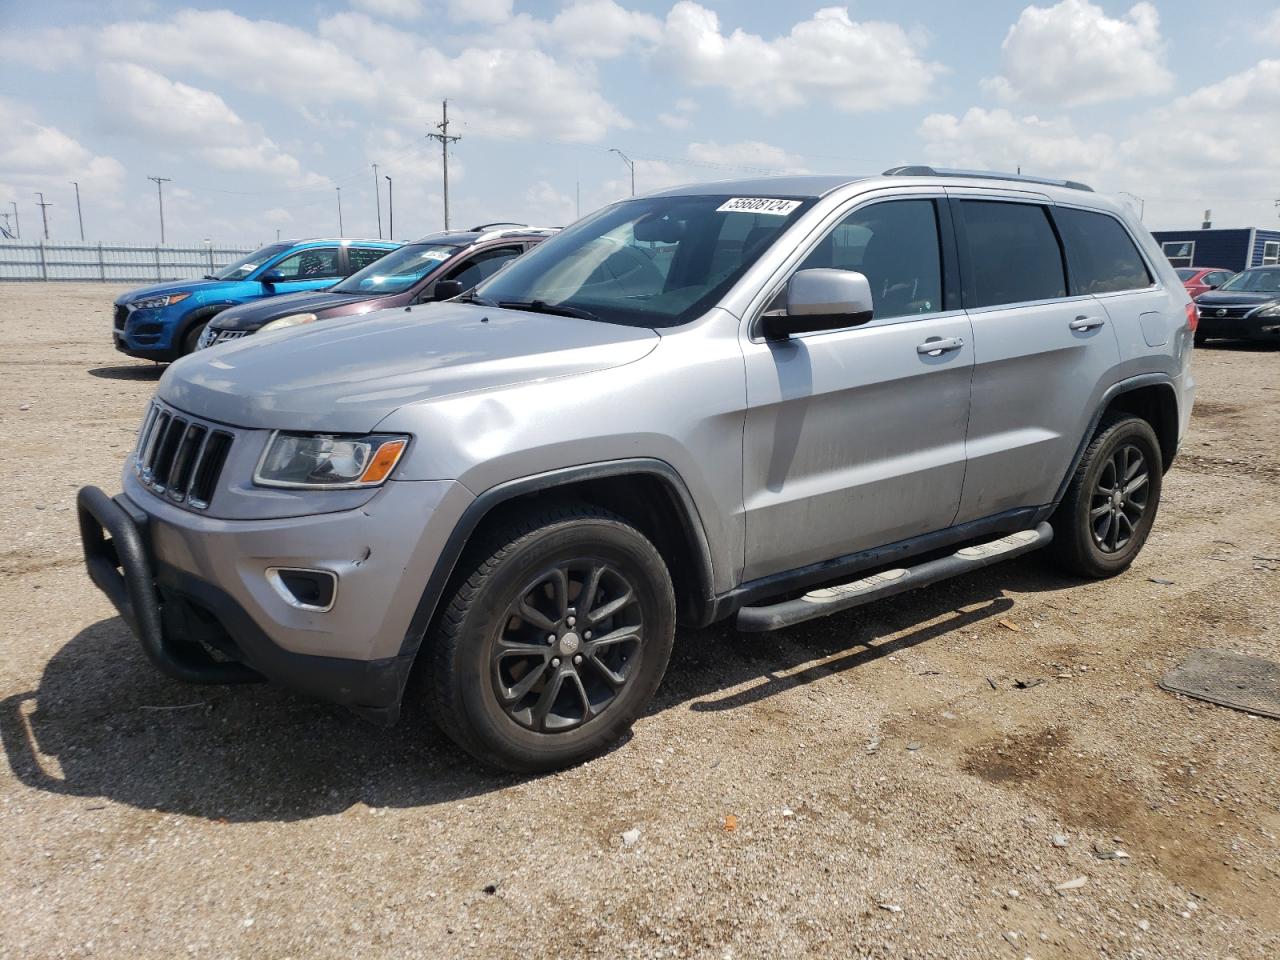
(328, 460)
(292, 320)
(1270, 310)
(155, 303)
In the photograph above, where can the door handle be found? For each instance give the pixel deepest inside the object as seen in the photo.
(936, 346)
(1086, 323)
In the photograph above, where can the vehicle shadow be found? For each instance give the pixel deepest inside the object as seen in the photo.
(151, 371)
(104, 723)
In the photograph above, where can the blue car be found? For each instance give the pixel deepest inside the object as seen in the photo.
(165, 321)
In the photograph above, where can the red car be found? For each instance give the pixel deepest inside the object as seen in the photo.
(1200, 280)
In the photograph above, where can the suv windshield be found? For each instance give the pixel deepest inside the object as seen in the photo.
(246, 265)
(398, 270)
(654, 262)
(1255, 281)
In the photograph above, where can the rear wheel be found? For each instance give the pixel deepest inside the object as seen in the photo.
(1111, 502)
(556, 634)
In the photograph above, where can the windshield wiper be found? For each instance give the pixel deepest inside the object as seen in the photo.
(210, 276)
(541, 306)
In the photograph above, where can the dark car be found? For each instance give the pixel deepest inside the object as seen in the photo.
(1246, 307)
(1198, 280)
(412, 274)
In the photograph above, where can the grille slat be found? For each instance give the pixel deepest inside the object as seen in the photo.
(180, 458)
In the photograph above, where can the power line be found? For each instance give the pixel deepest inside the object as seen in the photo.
(160, 182)
(445, 140)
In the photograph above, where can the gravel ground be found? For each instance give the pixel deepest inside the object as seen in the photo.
(909, 780)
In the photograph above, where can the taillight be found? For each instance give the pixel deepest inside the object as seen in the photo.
(1193, 317)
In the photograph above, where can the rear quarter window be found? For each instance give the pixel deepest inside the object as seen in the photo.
(1101, 253)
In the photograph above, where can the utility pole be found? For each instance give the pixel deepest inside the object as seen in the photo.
(391, 213)
(79, 215)
(44, 206)
(445, 140)
(630, 165)
(340, 232)
(160, 182)
(17, 227)
(377, 198)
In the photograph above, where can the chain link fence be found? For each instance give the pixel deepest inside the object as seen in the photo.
(111, 262)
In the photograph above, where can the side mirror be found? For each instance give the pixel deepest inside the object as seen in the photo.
(821, 299)
(447, 290)
(272, 277)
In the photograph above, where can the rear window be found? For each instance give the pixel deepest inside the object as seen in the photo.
(1102, 255)
(1014, 255)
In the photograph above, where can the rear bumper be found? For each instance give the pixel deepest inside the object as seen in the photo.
(193, 628)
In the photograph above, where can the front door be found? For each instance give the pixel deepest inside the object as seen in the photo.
(1042, 356)
(311, 269)
(855, 437)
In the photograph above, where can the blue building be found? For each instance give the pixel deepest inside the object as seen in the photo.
(1214, 247)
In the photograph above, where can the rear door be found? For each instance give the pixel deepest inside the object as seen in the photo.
(1041, 353)
(855, 437)
(357, 258)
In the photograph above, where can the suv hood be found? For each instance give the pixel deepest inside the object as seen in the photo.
(1233, 298)
(172, 286)
(251, 316)
(348, 374)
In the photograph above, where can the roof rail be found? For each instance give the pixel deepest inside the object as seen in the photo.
(521, 231)
(918, 170)
(497, 223)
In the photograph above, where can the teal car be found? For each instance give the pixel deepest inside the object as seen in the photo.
(163, 322)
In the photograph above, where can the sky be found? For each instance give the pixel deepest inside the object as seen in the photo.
(262, 114)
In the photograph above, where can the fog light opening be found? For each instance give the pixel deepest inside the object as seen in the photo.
(314, 590)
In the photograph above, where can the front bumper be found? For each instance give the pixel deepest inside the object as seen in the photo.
(194, 590)
(1253, 327)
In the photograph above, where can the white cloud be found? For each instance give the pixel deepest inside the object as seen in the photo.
(999, 140)
(1271, 29)
(398, 9)
(547, 206)
(681, 116)
(33, 154)
(854, 65)
(481, 11)
(745, 156)
(1073, 54)
(143, 102)
(601, 29)
(1224, 160)
(49, 49)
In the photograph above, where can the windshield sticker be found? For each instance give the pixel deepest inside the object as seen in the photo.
(777, 208)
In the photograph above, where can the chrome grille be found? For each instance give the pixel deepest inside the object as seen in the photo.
(210, 336)
(225, 335)
(179, 457)
(1226, 313)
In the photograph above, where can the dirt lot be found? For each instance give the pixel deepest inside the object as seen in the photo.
(896, 792)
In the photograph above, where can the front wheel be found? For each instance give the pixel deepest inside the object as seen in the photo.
(556, 634)
(1111, 502)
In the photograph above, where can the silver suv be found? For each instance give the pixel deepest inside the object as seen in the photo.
(768, 399)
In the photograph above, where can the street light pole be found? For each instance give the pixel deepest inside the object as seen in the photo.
(79, 215)
(17, 227)
(630, 165)
(391, 213)
(340, 232)
(377, 198)
(1142, 204)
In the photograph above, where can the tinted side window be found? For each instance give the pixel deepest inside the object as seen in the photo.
(1014, 255)
(317, 264)
(360, 257)
(1102, 255)
(895, 245)
(482, 266)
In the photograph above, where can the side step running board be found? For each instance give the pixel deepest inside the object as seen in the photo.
(887, 583)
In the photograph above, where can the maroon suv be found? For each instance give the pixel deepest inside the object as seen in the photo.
(437, 267)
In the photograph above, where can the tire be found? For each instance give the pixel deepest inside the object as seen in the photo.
(192, 337)
(1096, 535)
(516, 678)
